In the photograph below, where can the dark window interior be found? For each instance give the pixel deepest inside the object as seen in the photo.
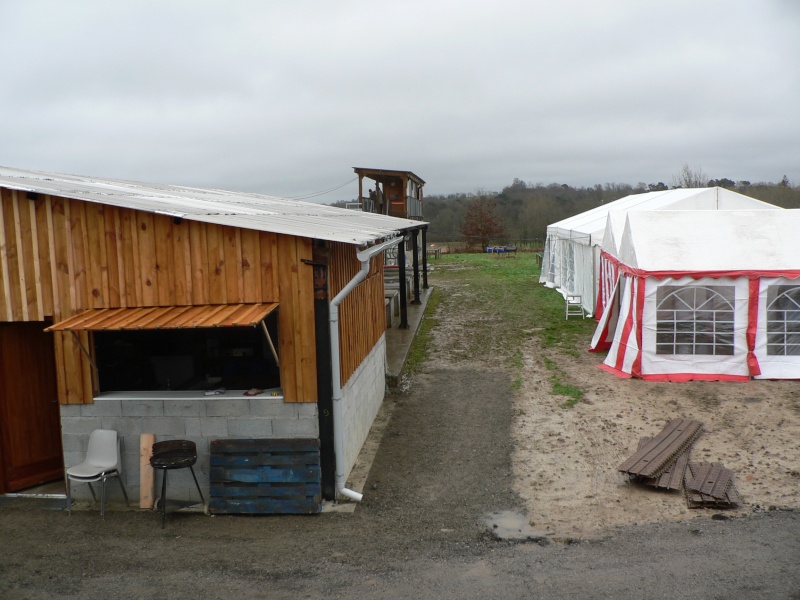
(237, 358)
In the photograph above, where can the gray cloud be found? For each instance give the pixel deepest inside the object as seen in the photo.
(284, 98)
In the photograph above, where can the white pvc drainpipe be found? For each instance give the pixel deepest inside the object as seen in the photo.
(336, 382)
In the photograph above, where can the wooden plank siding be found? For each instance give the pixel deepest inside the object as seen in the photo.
(296, 317)
(362, 317)
(60, 256)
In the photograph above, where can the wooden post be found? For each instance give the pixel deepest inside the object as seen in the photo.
(415, 264)
(146, 487)
(401, 263)
(425, 258)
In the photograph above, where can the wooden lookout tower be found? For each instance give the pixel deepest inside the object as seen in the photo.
(395, 193)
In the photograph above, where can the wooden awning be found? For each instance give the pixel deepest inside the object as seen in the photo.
(166, 317)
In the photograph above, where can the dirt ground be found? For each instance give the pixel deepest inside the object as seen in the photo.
(565, 460)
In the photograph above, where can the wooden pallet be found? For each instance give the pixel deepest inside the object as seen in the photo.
(672, 476)
(265, 476)
(710, 485)
(654, 457)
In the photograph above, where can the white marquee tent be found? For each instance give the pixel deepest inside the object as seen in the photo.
(571, 261)
(709, 295)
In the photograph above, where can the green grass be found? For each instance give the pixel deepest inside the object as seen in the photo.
(420, 347)
(573, 393)
(507, 307)
(507, 291)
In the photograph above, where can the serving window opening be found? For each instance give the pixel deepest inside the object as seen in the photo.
(203, 358)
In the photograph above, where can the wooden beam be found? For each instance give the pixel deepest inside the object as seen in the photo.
(44, 257)
(114, 259)
(5, 270)
(20, 256)
(146, 478)
(199, 261)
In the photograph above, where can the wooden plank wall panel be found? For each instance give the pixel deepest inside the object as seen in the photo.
(166, 269)
(127, 261)
(60, 256)
(362, 319)
(198, 244)
(24, 247)
(305, 289)
(43, 221)
(10, 263)
(269, 265)
(147, 259)
(96, 261)
(183, 262)
(114, 265)
(216, 266)
(250, 261)
(5, 282)
(296, 320)
(232, 248)
(62, 297)
(289, 350)
(33, 263)
(7, 304)
(76, 230)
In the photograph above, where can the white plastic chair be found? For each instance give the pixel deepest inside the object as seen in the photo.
(102, 462)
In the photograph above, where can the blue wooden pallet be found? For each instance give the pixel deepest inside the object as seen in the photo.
(265, 476)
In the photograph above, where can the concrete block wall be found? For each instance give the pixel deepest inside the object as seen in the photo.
(196, 419)
(362, 397)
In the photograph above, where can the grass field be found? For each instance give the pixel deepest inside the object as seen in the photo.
(506, 307)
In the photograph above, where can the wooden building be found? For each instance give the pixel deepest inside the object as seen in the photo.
(394, 193)
(153, 309)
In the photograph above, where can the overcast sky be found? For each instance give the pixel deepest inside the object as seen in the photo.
(284, 98)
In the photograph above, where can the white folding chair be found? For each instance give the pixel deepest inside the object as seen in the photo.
(102, 462)
(574, 306)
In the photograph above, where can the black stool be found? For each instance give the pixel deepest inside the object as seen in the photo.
(173, 454)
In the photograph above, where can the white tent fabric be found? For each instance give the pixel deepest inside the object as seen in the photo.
(712, 295)
(572, 254)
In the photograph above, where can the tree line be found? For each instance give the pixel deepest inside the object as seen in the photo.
(524, 210)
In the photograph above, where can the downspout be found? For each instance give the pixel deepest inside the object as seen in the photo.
(336, 382)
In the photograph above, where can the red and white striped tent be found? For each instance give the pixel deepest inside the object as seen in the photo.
(705, 295)
(572, 260)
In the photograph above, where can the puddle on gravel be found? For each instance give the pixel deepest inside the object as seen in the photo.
(512, 526)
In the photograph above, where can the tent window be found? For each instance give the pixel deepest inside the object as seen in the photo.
(551, 264)
(236, 358)
(569, 268)
(783, 320)
(695, 320)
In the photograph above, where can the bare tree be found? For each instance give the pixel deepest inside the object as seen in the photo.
(690, 177)
(481, 223)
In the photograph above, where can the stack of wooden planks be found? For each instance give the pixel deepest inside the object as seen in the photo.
(710, 486)
(663, 462)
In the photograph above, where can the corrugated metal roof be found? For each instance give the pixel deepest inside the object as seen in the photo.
(166, 317)
(236, 209)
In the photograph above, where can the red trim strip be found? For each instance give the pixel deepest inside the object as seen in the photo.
(599, 307)
(684, 377)
(636, 369)
(752, 328)
(626, 334)
(628, 270)
(613, 371)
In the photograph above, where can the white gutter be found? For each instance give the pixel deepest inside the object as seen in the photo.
(336, 382)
